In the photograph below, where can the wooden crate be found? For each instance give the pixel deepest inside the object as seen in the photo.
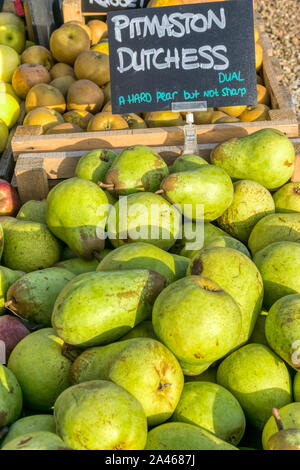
(40, 20)
(36, 173)
(29, 139)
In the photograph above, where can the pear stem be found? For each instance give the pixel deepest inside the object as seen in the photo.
(160, 191)
(109, 187)
(97, 256)
(277, 417)
(3, 432)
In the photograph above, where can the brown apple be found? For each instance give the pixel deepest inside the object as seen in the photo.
(203, 117)
(217, 115)
(27, 76)
(65, 128)
(85, 95)
(235, 111)
(107, 92)
(67, 42)
(263, 96)
(44, 117)
(83, 26)
(47, 96)
(163, 119)
(38, 55)
(107, 107)
(258, 112)
(9, 199)
(94, 66)
(63, 84)
(61, 70)
(80, 118)
(98, 29)
(107, 122)
(134, 121)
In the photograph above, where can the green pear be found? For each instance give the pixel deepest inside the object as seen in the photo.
(10, 397)
(274, 228)
(187, 162)
(208, 188)
(287, 198)
(95, 363)
(283, 329)
(198, 321)
(181, 265)
(40, 440)
(33, 296)
(258, 335)
(79, 266)
(152, 374)
(140, 256)
(135, 169)
(7, 278)
(144, 217)
(266, 156)
(67, 253)
(30, 424)
(99, 308)
(286, 439)
(77, 210)
(251, 202)
(211, 407)
(297, 387)
(183, 436)
(94, 165)
(100, 415)
(258, 379)
(209, 375)
(142, 366)
(41, 368)
(290, 417)
(210, 232)
(34, 211)
(279, 265)
(143, 330)
(29, 246)
(232, 271)
(223, 241)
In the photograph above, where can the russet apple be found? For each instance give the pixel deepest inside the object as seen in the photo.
(3, 135)
(67, 42)
(94, 66)
(85, 95)
(107, 122)
(80, 118)
(44, 117)
(38, 55)
(9, 61)
(9, 199)
(65, 128)
(63, 84)
(47, 96)
(98, 31)
(61, 70)
(84, 26)
(27, 76)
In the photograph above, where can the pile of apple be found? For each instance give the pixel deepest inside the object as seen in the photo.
(67, 88)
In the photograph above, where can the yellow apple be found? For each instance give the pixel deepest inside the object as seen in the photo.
(7, 88)
(9, 62)
(10, 18)
(12, 36)
(3, 135)
(103, 46)
(9, 109)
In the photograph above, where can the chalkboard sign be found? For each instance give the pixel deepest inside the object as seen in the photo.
(95, 6)
(192, 53)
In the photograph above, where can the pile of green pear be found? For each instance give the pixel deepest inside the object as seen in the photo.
(142, 343)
